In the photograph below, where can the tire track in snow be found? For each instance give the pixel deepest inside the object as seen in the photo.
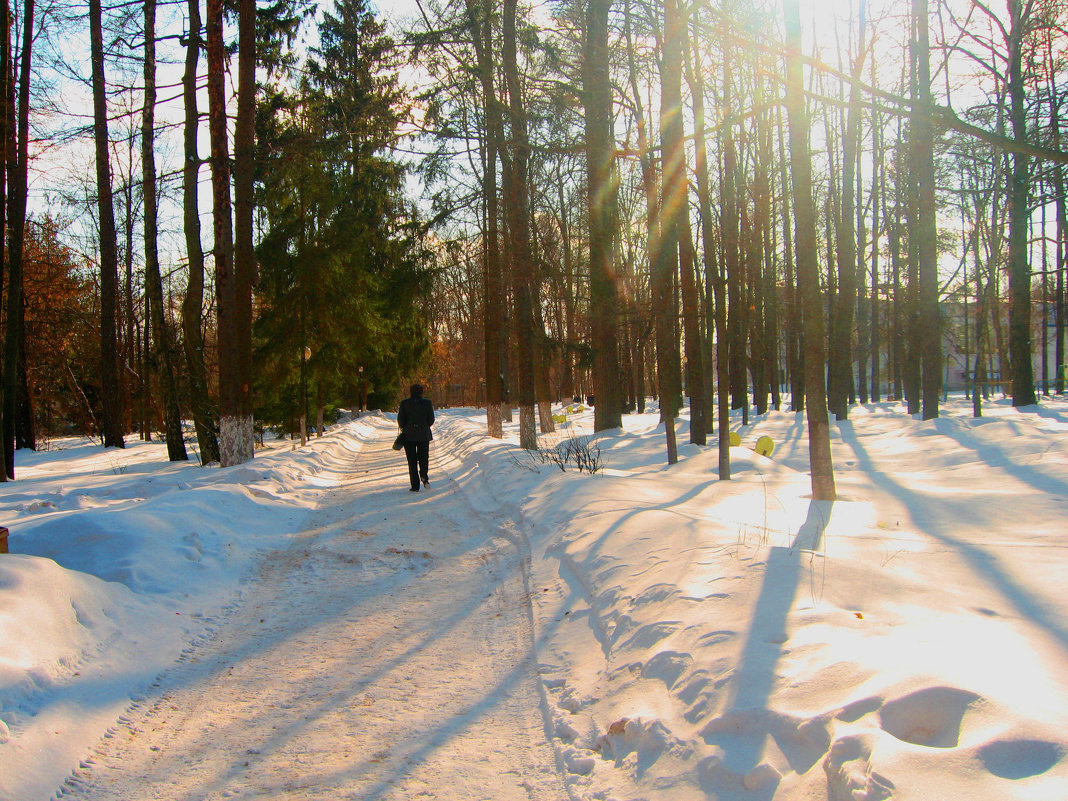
(387, 654)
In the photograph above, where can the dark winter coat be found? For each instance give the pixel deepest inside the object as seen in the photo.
(415, 418)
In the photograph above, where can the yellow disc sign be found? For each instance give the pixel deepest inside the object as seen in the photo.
(736, 439)
(764, 446)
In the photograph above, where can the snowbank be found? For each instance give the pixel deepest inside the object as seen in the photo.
(120, 561)
(737, 640)
(696, 638)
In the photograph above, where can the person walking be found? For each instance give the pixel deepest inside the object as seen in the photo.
(415, 418)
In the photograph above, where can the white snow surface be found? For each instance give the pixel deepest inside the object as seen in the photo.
(302, 626)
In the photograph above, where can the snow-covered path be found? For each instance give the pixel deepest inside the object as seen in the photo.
(387, 654)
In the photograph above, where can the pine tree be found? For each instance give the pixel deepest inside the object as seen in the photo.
(336, 251)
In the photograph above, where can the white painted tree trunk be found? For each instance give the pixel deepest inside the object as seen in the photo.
(528, 435)
(494, 425)
(237, 443)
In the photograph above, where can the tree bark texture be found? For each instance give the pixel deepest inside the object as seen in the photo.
(193, 302)
(222, 224)
(713, 276)
(480, 24)
(822, 472)
(164, 351)
(517, 210)
(7, 450)
(601, 206)
(25, 437)
(244, 270)
(925, 231)
(111, 393)
(672, 203)
(1023, 384)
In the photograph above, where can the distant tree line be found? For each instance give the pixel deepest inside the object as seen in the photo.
(679, 200)
(625, 199)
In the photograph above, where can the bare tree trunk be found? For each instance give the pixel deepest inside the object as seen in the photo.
(841, 381)
(652, 218)
(772, 298)
(1045, 305)
(1056, 102)
(762, 283)
(133, 366)
(673, 196)
(695, 374)
(153, 284)
(713, 275)
(543, 392)
(601, 204)
(732, 267)
(7, 450)
(241, 423)
(922, 131)
(518, 213)
(18, 165)
(878, 195)
(567, 379)
(109, 372)
(863, 312)
(480, 25)
(1062, 247)
(984, 295)
(1023, 384)
(794, 361)
(823, 488)
(899, 305)
(193, 302)
(225, 282)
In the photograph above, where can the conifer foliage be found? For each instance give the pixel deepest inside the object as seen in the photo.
(340, 262)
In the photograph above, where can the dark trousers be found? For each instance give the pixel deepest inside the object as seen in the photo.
(418, 454)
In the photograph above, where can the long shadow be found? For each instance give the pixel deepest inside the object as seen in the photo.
(926, 515)
(1026, 475)
(1048, 413)
(743, 730)
(443, 732)
(597, 547)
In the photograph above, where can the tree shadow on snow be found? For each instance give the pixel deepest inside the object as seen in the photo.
(938, 519)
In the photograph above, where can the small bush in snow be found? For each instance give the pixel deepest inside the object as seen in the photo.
(578, 453)
(583, 454)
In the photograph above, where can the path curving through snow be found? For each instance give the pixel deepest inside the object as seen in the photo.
(386, 654)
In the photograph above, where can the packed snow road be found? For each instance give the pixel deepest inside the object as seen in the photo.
(387, 654)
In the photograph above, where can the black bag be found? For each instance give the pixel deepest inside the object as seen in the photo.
(398, 443)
